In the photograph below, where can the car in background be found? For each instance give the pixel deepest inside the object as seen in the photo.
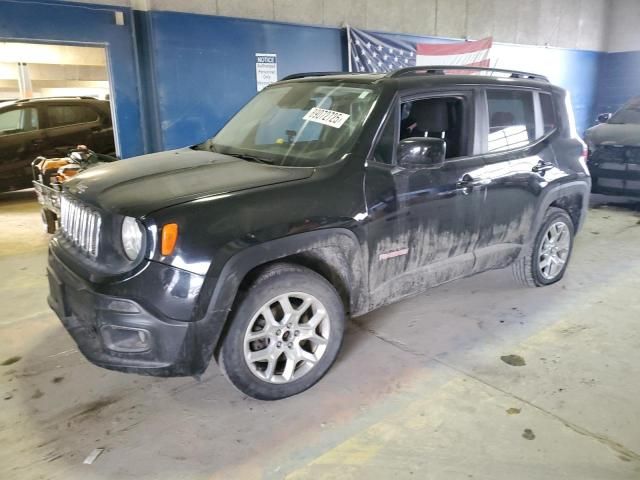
(614, 151)
(49, 127)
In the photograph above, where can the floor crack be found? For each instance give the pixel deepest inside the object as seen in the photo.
(391, 341)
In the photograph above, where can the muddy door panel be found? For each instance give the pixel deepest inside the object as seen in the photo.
(423, 231)
(443, 221)
(387, 229)
(514, 186)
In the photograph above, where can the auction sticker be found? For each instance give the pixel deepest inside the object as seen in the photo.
(326, 117)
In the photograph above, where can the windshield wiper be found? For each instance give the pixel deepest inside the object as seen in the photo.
(251, 158)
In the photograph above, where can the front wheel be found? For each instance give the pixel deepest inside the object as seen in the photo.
(285, 334)
(547, 259)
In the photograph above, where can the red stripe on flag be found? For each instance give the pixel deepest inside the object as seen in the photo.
(453, 48)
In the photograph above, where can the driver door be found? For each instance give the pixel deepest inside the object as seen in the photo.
(423, 222)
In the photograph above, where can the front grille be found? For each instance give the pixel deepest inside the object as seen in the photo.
(617, 154)
(81, 225)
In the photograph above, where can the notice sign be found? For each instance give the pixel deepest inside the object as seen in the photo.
(266, 69)
(326, 117)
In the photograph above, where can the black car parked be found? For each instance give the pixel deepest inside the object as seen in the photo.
(614, 151)
(324, 197)
(49, 127)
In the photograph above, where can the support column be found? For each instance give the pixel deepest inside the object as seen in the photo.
(24, 81)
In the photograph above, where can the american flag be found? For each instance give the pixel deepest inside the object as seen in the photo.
(371, 52)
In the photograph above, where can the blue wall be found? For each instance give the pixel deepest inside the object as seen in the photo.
(618, 81)
(178, 77)
(203, 67)
(81, 24)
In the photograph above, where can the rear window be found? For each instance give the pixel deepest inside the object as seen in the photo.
(60, 115)
(511, 119)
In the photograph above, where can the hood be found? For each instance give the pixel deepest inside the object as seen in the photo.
(140, 185)
(614, 134)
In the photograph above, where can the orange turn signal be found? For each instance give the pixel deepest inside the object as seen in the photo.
(169, 238)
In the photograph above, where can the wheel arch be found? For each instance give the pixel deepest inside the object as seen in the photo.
(335, 254)
(572, 197)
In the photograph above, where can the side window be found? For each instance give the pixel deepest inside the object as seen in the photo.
(438, 117)
(511, 119)
(18, 121)
(548, 113)
(383, 152)
(60, 115)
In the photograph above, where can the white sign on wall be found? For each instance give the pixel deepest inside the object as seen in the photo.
(266, 69)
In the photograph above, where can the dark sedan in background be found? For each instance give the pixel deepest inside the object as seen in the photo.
(614, 151)
(49, 127)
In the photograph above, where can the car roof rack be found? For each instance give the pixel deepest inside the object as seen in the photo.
(442, 69)
(59, 97)
(315, 74)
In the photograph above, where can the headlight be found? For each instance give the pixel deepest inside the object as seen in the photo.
(131, 237)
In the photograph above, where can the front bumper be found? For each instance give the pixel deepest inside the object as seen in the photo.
(154, 346)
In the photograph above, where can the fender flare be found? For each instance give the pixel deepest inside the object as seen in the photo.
(579, 187)
(338, 246)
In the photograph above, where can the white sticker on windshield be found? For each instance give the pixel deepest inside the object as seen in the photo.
(326, 117)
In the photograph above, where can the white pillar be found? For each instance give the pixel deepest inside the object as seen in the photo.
(24, 81)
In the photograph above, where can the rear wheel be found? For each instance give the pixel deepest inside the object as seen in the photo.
(547, 259)
(285, 333)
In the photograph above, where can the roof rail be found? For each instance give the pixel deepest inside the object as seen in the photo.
(57, 97)
(441, 70)
(314, 74)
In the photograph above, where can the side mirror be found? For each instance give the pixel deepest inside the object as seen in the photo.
(421, 152)
(604, 117)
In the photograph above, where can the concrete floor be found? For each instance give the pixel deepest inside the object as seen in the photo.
(419, 391)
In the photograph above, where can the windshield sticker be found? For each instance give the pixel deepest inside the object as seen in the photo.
(326, 117)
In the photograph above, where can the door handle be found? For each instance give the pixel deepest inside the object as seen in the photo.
(542, 167)
(467, 182)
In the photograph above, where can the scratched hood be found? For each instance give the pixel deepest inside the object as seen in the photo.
(140, 185)
(626, 134)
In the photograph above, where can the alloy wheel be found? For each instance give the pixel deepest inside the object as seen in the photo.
(286, 337)
(554, 250)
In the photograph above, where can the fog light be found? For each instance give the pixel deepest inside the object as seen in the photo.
(122, 306)
(125, 339)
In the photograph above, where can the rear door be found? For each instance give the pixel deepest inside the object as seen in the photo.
(20, 142)
(516, 132)
(69, 125)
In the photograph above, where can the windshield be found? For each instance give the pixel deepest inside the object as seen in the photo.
(304, 124)
(630, 113)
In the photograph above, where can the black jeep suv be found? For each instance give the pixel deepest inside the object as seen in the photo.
(326, 196)
(614, 151)
(49, 127)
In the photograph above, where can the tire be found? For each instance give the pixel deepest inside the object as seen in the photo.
(533, 268)
(49, 219)
(288, 356)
